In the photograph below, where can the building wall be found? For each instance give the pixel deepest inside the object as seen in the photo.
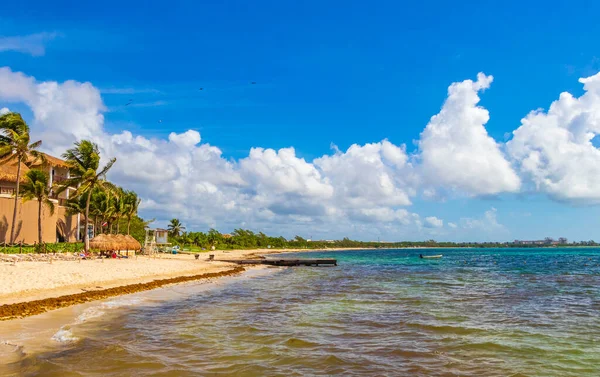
(66, 225)
(27, 217)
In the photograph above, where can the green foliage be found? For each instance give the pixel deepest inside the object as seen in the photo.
(37, 187)
(15, 148)
(84, 162)
(137, 228)
(59, 247)
(175, 228)
(247, 239)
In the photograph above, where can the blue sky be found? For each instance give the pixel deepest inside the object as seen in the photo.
(326, 73)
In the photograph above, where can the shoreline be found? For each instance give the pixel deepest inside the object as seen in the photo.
(33, 288)
(57, 327)
(29, 308)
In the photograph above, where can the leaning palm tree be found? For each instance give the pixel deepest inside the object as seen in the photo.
(84, 161)
(37, 187)
(15, 147)
(132, 203)
(175, 227)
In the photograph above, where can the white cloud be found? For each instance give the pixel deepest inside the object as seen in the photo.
(487, 223)
(185, 177)
(370, 175)
(433, 222)
(282, 172)
(4, 110)
(362, 190)
(554, 149)
(455, 149)
(32, 44)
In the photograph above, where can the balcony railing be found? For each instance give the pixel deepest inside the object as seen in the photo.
(59, 178)
(7, 190)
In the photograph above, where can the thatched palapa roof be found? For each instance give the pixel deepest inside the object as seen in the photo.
(8, 172)
(106, 242)
(8, 169)
(50, 160)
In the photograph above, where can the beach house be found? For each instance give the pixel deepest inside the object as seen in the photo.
(58, 227)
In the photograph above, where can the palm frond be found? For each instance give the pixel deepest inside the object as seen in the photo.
(107, 167)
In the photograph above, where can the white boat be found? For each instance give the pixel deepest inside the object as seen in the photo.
(431, 256)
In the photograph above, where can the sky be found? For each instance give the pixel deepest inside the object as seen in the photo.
(370, 120)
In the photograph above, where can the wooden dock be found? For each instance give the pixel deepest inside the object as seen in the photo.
(284, 261)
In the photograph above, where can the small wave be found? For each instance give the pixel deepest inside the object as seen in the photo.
(89, 313)
(299, 343)
(64, 335)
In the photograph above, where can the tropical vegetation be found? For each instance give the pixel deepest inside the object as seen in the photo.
(16, 148)
(112, 209)
(37, 187)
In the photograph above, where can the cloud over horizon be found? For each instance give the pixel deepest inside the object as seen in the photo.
(366, 189)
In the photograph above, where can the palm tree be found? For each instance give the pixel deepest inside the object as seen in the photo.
(15, 147)
(116, 205)
(175, 227)
(37, 187)
(132, 203)
(100, 207)
(84, 161)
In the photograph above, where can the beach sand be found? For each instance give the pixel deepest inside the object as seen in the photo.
(74, 282)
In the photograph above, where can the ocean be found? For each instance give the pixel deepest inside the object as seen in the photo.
(475, 312)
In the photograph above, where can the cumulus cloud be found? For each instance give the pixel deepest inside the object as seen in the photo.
(32, 44)
(184, 176)
(4, 110)
(433, 222)
(376, 174)
(281, 171)
(555, 149)
(455, 149)
(364, 189)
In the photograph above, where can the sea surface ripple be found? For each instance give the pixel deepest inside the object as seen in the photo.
(475, 312)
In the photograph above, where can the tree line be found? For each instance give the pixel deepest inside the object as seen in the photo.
(100, 201)
(247, 239)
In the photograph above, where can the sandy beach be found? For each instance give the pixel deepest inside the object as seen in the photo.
(32, 281)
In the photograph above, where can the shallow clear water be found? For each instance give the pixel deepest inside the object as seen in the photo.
(475, 312)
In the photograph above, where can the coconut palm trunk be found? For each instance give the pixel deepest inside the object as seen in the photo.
(14, 219)
(128, 224)
(86, 236)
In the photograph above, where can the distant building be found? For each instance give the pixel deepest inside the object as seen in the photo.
(56, 227)
(547, 241)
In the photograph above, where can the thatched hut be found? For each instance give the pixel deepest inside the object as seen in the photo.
(127, 243)
(110, 242)
(133, 243)
(104, 242)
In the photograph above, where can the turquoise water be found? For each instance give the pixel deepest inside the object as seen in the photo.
(475, 312)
